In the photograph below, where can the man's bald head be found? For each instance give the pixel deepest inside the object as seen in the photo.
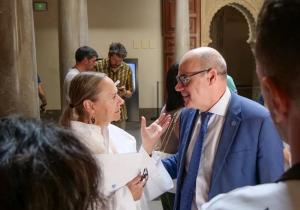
(208, 58)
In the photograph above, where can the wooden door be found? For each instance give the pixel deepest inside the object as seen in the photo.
(168, 29)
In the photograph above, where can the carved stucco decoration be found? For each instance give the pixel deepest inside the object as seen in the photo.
(248, 8)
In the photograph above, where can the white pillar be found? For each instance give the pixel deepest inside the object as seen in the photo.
(182, 33)
(73, 33)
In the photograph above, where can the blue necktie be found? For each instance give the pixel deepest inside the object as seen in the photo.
(189, 183)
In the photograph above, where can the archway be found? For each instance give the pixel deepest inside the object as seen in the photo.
(231, 31)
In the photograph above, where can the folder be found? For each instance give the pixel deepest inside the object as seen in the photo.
(118, 170)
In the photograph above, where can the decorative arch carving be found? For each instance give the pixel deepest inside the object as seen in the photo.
(249, 11)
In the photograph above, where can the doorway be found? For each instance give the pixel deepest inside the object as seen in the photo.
(229, 32)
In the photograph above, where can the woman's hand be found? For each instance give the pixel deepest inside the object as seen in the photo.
(136, 187)
(151, 134)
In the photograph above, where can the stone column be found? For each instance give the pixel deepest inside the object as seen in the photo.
(73, 33)
(182, 33)
(18, 85)
(256, 91)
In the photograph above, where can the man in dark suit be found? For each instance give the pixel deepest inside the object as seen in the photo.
(226, 141)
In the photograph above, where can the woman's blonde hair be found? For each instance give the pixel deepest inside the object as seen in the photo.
(83, 86)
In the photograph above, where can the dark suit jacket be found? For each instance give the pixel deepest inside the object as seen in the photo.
(250, 151)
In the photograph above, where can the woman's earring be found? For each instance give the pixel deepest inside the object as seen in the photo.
(93, 120)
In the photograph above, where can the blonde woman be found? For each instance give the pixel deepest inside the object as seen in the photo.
(94, 104)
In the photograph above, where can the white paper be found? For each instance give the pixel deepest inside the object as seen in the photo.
(119, 169)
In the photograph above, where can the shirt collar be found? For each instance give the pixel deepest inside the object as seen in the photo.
(221, 106)
(83, 125)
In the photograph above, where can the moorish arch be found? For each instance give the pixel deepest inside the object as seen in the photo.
(248, 8)
(216, 34)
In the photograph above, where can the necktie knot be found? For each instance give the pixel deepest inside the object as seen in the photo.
(205, 116)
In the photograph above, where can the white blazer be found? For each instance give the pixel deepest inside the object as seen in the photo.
(115, 146)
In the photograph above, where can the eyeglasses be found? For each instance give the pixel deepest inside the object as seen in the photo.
(185, 79)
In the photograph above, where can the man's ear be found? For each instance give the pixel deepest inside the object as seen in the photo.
(85, 60)
(212, 75)
(276, 99)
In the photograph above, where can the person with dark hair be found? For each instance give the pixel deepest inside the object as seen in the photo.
(94, 104)
(85, 58)
(169, 141)
(46, 167)
(174, 99)
(118, 70)
(42, 94)
(277, 55)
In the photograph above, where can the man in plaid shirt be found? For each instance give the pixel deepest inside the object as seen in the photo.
(117, 69)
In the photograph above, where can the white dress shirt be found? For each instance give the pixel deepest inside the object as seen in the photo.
(209, 148)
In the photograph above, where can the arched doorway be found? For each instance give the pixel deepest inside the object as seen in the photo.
(229, 32)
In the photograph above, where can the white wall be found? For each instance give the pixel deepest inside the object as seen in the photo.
(46, 36)
(135, 23)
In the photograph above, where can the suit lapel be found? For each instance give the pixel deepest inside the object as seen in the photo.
(187, 129)
(229, 131)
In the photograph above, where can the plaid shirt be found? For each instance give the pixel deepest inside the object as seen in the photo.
(123, 74)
